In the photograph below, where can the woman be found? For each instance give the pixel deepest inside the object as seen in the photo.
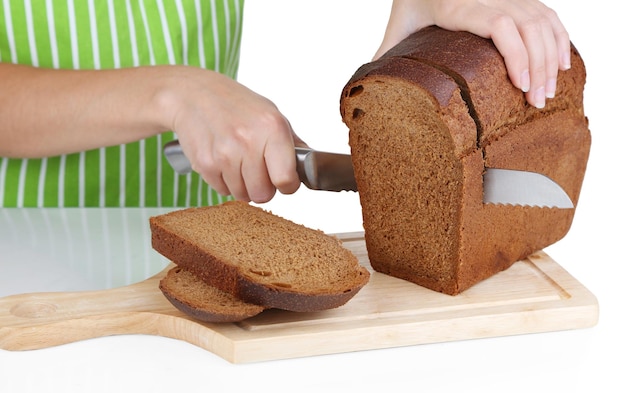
(91, 90)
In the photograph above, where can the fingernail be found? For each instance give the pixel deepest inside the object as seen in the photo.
(565, 61)
(550, 88)
(525, 81)
(540, 97)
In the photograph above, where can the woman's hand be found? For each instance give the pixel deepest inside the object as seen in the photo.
(528, 34)
(237, 140)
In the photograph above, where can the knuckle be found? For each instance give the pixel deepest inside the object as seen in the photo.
(220, 157)
(262, 195)
(550, 14)
(246, 137)
(501, 23)
(286, 184)
(539, 71)
(562, 36)
(273, 122)
(205, 164)
(535, 25)
(551, 68)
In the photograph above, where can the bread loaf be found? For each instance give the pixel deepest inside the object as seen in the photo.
(254, 256)
(425, 121)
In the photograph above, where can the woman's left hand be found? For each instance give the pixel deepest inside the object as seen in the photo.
(529, 35)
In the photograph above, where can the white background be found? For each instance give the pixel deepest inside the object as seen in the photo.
(300, 55)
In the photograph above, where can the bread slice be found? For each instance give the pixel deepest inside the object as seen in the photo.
(202, 301)
(258, 257)
(425, 121)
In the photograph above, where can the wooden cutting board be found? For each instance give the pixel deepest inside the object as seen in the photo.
(534, 295)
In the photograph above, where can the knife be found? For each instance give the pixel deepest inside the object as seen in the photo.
(317, 170)
(320, 170)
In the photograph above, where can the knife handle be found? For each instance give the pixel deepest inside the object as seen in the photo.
(181, 165)
(177, 158)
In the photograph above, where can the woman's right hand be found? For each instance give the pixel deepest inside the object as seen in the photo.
(237, 140)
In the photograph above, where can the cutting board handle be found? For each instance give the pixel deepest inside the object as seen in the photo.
(40, 320)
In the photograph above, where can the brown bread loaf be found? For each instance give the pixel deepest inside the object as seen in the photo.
(255, 257)
(425, 121)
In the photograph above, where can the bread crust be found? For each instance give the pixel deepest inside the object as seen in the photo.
(440, 236)
(206, 303)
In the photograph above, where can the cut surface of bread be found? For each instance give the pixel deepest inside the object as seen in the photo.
(196, 298)
(425, 121)
(258, 257)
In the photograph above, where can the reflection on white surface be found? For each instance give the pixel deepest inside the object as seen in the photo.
(75, 249)
(79, 249)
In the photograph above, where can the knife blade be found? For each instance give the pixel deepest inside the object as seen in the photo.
(320, 170)
(513, 187)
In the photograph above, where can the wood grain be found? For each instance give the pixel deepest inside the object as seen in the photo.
(534, 295)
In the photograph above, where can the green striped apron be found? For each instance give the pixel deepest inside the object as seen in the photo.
(106, 34)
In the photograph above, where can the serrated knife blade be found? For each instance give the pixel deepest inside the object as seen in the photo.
(320, 170)
(512, 187)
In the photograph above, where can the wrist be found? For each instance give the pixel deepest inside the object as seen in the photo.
(164, 98)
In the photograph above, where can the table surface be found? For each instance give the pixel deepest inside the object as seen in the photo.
(575, 361)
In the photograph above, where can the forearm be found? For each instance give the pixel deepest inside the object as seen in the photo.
(406, 17)
(236, 139)
(47, 112)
